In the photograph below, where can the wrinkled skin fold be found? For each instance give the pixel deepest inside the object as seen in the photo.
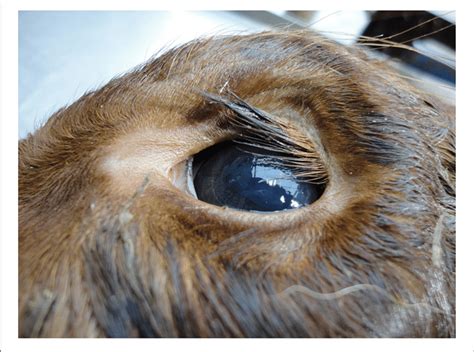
(110, 246)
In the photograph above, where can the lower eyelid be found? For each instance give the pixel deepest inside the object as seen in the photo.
(332, 202)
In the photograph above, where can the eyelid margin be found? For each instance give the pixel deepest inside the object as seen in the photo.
(260, 129)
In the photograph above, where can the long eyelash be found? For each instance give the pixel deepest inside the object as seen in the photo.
(257, 128)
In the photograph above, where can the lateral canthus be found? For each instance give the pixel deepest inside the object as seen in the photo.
(267, 185)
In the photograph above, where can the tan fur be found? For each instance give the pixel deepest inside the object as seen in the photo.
(112, 245)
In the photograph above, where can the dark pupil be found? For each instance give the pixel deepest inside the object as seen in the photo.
(248, 178)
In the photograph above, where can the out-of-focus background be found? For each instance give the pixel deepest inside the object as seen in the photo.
(62, 55)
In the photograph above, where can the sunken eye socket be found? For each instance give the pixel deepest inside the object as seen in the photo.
(249, 178)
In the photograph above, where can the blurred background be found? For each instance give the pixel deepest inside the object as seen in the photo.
(62, 55)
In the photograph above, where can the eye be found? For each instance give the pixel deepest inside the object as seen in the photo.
(249, 178)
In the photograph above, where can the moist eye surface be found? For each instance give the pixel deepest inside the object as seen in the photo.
(249, 178)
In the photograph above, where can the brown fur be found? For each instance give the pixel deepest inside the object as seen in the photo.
(110, 246)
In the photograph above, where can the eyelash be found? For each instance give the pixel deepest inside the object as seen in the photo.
(257, 128)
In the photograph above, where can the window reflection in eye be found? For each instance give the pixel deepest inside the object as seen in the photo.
(249, 178)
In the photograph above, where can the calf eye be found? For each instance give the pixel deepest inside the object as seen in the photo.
(249, 178)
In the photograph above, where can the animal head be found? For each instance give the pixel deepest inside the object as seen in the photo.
(115, 241)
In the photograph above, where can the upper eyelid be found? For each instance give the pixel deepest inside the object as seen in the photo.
(256, 127)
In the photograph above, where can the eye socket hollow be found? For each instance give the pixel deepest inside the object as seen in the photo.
(250, 178)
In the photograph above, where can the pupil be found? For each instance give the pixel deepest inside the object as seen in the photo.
(249, 178)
